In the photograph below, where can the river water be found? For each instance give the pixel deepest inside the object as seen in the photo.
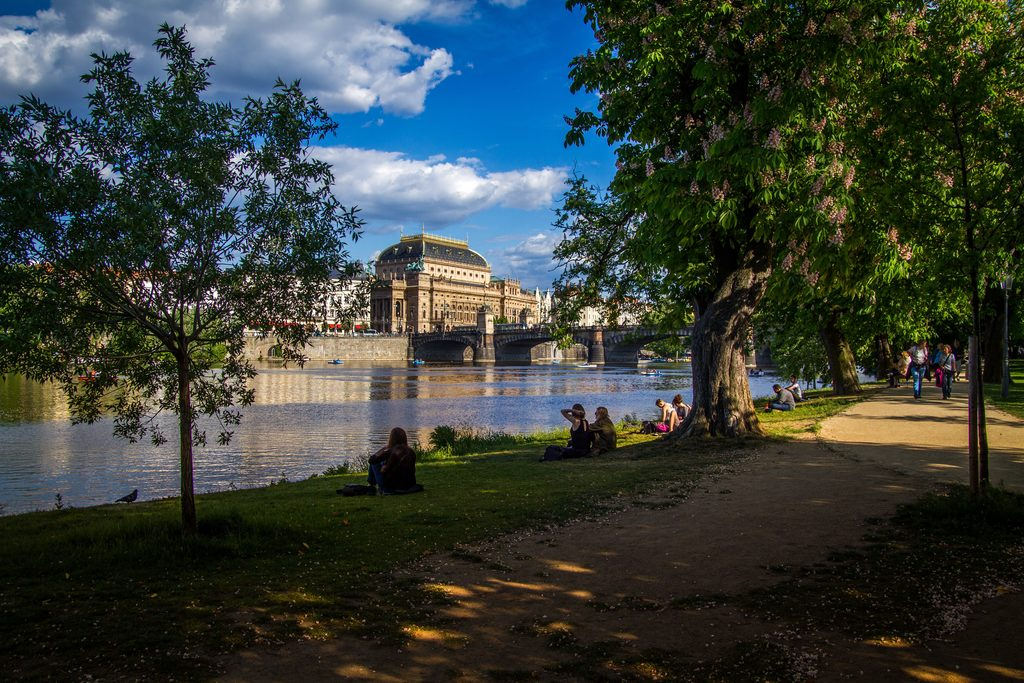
(304, 421)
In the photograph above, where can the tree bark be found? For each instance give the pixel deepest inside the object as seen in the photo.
(188, 498)
(722, 404)
(972, 414)
(884, 357)
(841, 365)
(992, 336)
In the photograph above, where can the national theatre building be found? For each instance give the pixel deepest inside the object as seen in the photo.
(428, 283)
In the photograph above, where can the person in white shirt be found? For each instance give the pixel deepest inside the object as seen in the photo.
(918, 365)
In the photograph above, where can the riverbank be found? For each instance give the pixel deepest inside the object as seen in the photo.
(295, 578)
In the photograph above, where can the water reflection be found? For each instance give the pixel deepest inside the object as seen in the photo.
(304, 421)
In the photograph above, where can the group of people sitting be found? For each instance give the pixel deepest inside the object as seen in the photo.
(671, 416)
(392, 469)
(786, 397)
(585, 438)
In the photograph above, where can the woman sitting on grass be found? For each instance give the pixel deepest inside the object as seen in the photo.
(604, 431)
(581, 439)
(669, 416)
(393, 468)
(681, 407)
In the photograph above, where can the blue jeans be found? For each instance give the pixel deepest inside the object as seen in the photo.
(917, 372)
(375, 476)
(947, 383)
(781, 406)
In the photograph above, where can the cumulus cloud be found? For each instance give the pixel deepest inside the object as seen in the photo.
(391, 186)
(530, 260)
(351, 55)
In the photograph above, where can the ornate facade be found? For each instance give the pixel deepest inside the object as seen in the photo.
(428, 283)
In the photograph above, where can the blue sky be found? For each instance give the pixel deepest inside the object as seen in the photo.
(450, 111)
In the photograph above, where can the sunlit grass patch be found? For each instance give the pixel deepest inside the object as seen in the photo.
(1014, 402)
(818, 405)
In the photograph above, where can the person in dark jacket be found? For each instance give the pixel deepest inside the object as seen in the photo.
(393, 468)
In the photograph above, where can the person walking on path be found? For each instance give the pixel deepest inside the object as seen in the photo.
(918, 365)
(947, 366)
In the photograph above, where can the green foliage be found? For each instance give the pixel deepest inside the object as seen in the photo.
(1014, 402)
(142, 240)
(947, 139)
(671, 347)
(447, 441)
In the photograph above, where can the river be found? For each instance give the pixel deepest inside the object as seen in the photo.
(304, 421)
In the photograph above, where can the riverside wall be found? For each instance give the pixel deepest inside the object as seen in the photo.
(382, 348)
(343, 348)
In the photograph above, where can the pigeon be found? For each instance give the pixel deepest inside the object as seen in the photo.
(130, 498)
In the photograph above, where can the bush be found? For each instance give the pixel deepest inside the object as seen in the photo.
(443, 436)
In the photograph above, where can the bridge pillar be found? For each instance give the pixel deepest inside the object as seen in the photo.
(410, 350)
(597, 347)
(484, 353)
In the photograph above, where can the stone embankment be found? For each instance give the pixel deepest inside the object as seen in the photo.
(377, 348)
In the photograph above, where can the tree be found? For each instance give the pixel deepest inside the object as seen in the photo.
(138, 238)
(948, 110)
(729, 122)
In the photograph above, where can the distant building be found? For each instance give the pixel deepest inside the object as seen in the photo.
(344, 311)
(428, 283)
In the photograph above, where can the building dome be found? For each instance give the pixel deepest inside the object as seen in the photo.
(415, 247)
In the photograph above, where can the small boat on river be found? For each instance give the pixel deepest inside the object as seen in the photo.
(336, 361)
(586, 365)
(417, 361)
(651, 373)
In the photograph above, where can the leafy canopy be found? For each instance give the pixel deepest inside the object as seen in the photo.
(139, 239)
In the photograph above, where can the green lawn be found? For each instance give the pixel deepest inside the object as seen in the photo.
(1014, 403)
(114, 591)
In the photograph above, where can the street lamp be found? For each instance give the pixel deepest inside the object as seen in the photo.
(1007, 285)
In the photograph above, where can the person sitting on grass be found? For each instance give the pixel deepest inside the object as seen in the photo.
(669, 417)
(393, 468)
(783, 399)
(604, 431)
(681, 407)
(581, 438)
(794, 387)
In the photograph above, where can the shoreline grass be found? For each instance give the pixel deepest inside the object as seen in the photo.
(114, 591)
(1014, 402)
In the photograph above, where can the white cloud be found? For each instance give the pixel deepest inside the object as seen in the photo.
(509, 3)
(530, 260)
(351, 55)
(390, 186)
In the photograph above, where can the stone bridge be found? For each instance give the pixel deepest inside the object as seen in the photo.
(619, 346)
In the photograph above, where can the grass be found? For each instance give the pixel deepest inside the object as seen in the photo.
(1014, 403)
(116, 592)
(818, 405)
(918, 576)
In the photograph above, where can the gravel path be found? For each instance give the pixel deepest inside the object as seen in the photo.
(658, 574)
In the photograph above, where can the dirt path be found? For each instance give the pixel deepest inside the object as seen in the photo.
(657, 576)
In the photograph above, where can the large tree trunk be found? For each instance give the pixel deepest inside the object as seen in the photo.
(992, 336)
(188, 498)
(722, 405)
(884, 357)
(841, 365)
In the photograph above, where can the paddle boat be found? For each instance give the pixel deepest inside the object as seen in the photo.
(651, 373)
(586, 365)
(417, 361)
(336, 361)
